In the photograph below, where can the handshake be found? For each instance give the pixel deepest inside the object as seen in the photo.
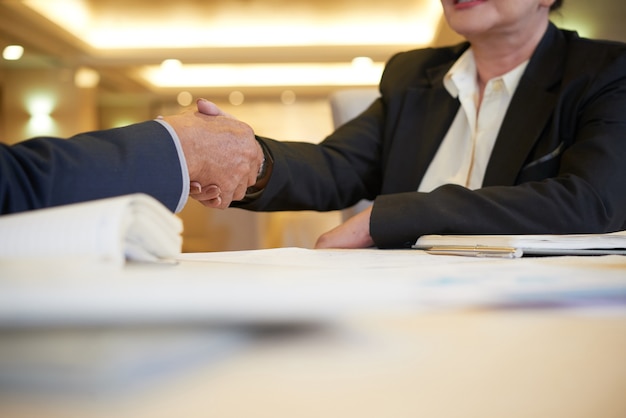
(222, 154)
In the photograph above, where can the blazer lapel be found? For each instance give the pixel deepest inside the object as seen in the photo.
(426, 114)
(529, 111)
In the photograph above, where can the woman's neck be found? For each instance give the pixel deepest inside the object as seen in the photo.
(497, 55)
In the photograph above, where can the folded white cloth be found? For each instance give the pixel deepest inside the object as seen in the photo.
(132, 227)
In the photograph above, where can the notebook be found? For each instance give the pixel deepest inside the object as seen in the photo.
(518, 245)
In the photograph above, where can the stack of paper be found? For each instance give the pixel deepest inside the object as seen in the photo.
(135, 227)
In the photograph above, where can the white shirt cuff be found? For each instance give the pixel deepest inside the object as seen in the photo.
(183, 165)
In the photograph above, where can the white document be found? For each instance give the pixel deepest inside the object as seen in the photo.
(135, 227)
(294, 285)
(571, 244)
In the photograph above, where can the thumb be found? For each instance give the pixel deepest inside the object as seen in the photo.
(209, 108)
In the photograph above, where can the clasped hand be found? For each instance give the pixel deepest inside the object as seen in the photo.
(223, 156)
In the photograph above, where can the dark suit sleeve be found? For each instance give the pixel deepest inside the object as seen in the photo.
(332, 175)
(45, 171)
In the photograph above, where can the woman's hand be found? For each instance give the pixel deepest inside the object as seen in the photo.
(354, 233)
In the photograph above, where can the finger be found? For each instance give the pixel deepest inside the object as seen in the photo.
(212, 192)
(216, 202)
(212, 203)
(195, 188)
(203, 193)
(209, 108)
(228, 198)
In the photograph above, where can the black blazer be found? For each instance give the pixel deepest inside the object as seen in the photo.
(44, 172)
(558, 164)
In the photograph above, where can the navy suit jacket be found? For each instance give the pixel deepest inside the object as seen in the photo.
(558, 164)
(44, 172)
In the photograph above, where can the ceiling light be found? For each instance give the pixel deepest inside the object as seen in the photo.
(362, 62)
(13, 52)
(254, 36)
(264, 75)
(233, 27)
(171, 65)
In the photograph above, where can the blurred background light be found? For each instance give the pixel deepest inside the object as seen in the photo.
(86, 78)
(13, 52)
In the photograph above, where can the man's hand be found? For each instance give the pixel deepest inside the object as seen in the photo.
(354, 233)
(223, 156)
(209, 108)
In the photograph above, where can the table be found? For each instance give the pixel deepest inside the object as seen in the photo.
(534, 338)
